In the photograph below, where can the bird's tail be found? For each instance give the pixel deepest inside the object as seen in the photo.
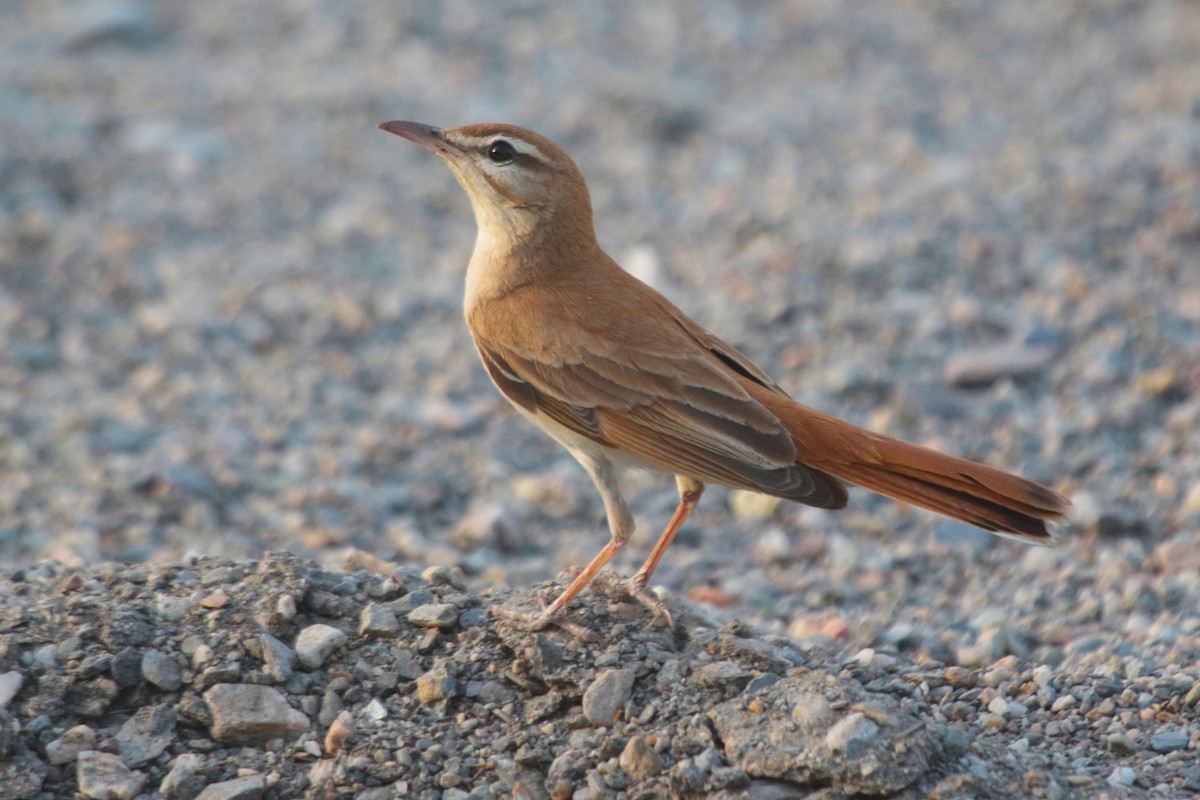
(983, 496)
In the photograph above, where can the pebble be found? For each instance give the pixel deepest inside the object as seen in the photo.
(434, 615)
(250, 787)
(315, 643)
(182, 781)
(378, 622)
(146, 734)
(10, 684)
(67, 747)
(102, 776)
(161, 670)
(251, 714)
(607, 695)
(985, 365)
(279, 660)
(171, 608)
(639, 759)
(1169, 741)
(1123, 776)
(436, 685)
(851, 734)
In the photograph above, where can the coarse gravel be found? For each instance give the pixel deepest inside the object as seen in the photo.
(230, 325)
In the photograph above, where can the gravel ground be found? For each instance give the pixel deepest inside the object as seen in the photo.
(229, 324)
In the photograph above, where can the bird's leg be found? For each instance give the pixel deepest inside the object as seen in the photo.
(620, 525)
(690, 490)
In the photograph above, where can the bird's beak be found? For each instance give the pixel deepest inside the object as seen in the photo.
(427, 136)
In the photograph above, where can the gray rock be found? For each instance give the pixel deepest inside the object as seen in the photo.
(102, 776)
(10, 684)
(316, 642)
(161, 670)
(1169, 741)
(67, 747)
(851, 735)
(434, 615)
(986, 365)
(146, 734)
(639, 759)
(279, 660)
(250, 787)
(21, 776)
(878, 748)
(378, 622)
(251, 714)
(436, 685)
(182, 782)
(607, 695)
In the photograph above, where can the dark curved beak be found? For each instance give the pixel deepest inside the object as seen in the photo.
(427, 136)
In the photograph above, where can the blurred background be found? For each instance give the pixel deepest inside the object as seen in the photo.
(230, 307)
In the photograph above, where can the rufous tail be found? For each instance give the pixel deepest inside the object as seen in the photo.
(983, 496)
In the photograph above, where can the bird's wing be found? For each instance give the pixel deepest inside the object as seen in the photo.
(677, 407)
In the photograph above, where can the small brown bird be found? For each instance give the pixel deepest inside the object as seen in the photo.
(620, 376)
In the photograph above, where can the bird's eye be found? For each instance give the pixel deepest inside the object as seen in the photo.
(501, 152)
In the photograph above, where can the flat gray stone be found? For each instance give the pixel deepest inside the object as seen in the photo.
(244, 713)
(67, 747)
(146, 734)
(607, 695)
(250, 787)
(102, 776)
(160, 670)
(316, 642)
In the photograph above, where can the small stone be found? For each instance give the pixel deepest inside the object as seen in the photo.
(316, 642)
(378, 622)
(146, 734)
(182, 782)
(1042, 675)
(10, 684)
(375, 710)
(436, 685)
(975, 655)
(245, 713)
(285, 606)
(639, 759)
(1169, 741)
(851, 734)
(607, 695)
(719, 674)
(102, 776)
(251, 787)
(1123, 776)
(1063, 703)
(67, 747)
(812, 709)
(279, 660)
(991, 721)
(218, 599)
(434, 615)
(162, 671)
(998, 706)
(445, 576)
(171, 608)
(984, 366)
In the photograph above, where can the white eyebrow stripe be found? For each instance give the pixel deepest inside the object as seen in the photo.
(521, 146)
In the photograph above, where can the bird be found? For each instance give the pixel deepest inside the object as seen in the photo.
(621, 377)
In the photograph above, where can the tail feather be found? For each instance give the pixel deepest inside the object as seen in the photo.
(980, 495)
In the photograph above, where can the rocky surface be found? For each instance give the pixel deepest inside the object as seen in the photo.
(229, 324)
(474, 707)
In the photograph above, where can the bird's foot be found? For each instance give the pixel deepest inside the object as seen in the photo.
(549, 616)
